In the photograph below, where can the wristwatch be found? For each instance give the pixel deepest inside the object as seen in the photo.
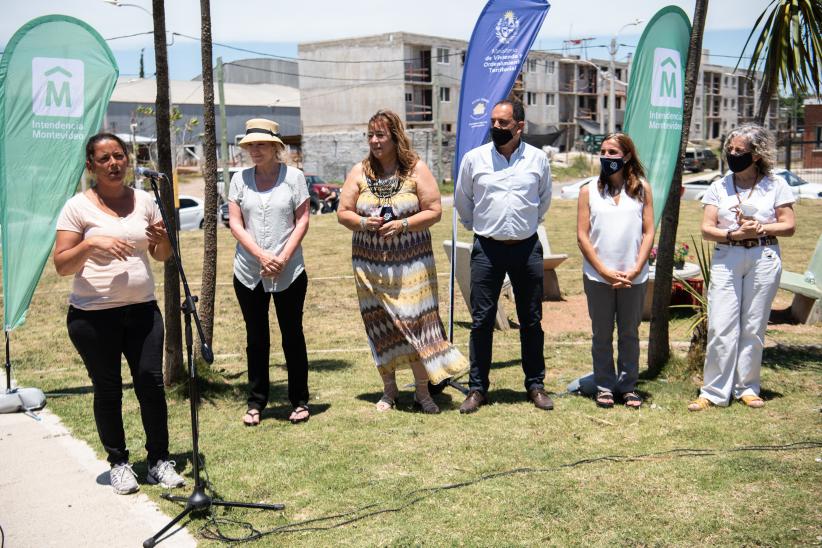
(728, 235)
(405, 225)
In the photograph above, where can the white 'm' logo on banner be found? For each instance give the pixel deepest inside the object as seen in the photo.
(57, 87)
(666, 90)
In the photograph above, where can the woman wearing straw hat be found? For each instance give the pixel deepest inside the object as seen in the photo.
(268, 213)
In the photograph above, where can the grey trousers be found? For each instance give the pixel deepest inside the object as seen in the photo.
(605, 306)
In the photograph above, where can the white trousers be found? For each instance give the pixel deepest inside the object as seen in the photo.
(743, 285)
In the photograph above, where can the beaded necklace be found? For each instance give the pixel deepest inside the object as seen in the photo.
(384, 189)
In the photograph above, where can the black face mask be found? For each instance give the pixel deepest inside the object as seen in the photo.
(501, 136)
(611, 165)
(740, 162)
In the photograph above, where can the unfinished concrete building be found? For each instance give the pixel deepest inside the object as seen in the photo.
(344, 82)
(725, 99)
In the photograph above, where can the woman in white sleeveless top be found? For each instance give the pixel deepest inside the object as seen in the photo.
(615, 232)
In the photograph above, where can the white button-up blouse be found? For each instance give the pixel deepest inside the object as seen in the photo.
(270, 218)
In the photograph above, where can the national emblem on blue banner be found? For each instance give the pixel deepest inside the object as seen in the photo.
(507, 27)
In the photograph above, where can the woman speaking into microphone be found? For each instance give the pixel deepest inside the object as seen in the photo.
(104, 238)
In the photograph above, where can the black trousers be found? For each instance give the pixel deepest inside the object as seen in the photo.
(254, 304)
(102, 337)
(522, 261)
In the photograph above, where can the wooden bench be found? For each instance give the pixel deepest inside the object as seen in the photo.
(550, 261)
(806, 288)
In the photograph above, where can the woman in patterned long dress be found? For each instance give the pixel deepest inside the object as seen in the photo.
(389, 200)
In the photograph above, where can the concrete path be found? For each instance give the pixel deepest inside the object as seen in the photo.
(54, 491)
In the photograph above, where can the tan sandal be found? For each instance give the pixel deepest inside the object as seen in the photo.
(251, 417)
(700, 404)
(604, 399)
(754, 402)
(389, 396)
(422, 399)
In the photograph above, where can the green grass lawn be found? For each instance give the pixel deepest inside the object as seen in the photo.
(348, 457)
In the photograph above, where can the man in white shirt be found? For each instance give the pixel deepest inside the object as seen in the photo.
(503, 192)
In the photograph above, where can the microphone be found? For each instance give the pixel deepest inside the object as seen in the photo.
(145, 172)
(208, 355)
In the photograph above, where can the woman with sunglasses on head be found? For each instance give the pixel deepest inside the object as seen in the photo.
(744, 214)
(389, 200)
(615, 232)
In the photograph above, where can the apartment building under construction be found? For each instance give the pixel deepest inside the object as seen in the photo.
(343, 82)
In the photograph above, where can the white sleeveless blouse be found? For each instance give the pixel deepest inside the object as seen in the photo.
(616, 233)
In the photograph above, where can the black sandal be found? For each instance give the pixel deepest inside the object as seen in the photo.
(605, 399)
(251, 417)
(629, 398)
(298, 410)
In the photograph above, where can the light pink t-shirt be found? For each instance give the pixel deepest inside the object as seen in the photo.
(105, 282)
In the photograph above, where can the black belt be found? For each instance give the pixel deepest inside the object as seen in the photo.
(754, 242)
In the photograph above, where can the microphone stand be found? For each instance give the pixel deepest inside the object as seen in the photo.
(198, 501)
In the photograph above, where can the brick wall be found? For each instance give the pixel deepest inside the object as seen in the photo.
(812, 149)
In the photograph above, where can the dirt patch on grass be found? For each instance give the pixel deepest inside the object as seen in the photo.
(571, 316)
(568, 316)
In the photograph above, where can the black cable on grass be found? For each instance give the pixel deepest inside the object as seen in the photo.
(212, 531)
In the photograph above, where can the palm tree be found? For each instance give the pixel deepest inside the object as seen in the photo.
(173, 364)
(790, 44)
(659, 349)
(210, 152)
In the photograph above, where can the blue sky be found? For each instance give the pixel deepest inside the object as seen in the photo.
(275, 28)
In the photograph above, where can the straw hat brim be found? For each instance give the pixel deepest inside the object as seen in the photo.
(259, 138)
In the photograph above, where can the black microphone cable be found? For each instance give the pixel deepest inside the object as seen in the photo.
(211, 530)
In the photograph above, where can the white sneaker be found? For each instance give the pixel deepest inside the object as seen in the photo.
(123, 479)
(163, 473)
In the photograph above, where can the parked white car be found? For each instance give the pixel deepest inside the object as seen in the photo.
(800, 187)
(191, 213)
(571, 191)
(695, 188)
